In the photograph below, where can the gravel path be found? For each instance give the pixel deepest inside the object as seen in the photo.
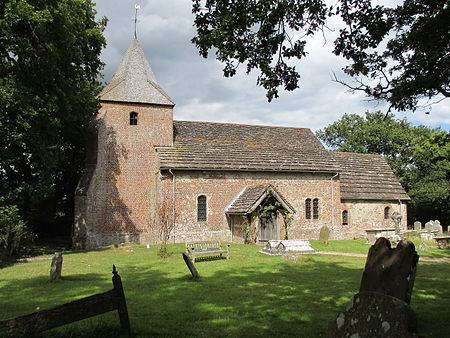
(421, 259)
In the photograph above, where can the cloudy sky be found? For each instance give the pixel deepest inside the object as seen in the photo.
(200, 91)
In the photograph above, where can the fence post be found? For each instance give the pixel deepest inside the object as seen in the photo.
(121, 303)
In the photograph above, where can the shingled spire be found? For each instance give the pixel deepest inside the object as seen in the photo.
(134, 81)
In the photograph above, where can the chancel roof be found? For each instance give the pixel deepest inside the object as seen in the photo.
(223, 146)
(251, 197)
(368, 176)
(134, 81)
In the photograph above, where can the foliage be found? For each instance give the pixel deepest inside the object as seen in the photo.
(164, 225)
(246, 227)
(288, 218)
(49, 66)
(250, 295)
(390, 46)
(430, 178)
(376, 133)
(14, 235)
(418, 155)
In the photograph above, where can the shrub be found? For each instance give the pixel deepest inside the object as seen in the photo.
(14, 235)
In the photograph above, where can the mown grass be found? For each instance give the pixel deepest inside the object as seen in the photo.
(251, 294)
(360, 246)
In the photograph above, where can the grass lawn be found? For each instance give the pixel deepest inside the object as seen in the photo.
(360, 246)
(250, 295)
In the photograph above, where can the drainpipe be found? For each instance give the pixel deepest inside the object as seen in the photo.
(173, 202)
(401, 212)
(332, 200)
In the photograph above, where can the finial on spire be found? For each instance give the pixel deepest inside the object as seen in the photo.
(136, 7)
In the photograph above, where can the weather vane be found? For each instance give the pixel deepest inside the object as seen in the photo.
(136, 7)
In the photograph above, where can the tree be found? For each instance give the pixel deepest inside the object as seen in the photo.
(419, 156)
(398, 54)
(430, 178)
(164, 224)
(376, 133)
(49, 67)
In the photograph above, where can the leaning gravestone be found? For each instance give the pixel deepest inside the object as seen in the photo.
(324, 234)
(56, 267)
(417, 226)
(191, 266)
(429, 226)
(390, 271)
(381, 308)
(437, 228)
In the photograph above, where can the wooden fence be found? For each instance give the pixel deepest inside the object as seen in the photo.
(71, 312)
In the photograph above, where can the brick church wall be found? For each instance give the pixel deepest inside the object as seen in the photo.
(121, 198)
(220, 188)
(370, 215)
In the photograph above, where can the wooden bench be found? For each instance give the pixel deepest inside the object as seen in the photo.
(206, 248)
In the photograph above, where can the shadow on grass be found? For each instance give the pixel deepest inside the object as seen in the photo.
(37, 293)
(256, 297)
(293, 301)
(435, 253)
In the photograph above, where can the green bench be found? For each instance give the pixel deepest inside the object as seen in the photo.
(207, 249)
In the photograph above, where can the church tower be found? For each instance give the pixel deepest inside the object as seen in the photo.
(116, 197)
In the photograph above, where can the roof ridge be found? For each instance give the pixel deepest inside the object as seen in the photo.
(353, 153)
(243, 124)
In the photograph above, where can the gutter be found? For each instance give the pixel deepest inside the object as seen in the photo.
(173, 203)
(332, 200)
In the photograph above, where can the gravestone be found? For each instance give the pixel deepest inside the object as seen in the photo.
(324, 234)
(371, 314)
(390, 271)
(417, 226)
(429, 226)
(191, 266)
(437, 228)
(381, 308)
(56, 267)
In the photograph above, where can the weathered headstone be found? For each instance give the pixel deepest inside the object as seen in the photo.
(417, 226)
(381, 308)
(371, 314)
(437, 228)
(390, 271)
(191, 266)
(56, 267)
(324, 234)
(429, 226)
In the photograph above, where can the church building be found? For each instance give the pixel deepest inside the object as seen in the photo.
(230, 182)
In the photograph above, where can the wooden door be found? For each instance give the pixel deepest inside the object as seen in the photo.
(268, 228)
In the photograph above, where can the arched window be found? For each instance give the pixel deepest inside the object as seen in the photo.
(345, 217)
(133, 118)
(201, 208)
(315, 208)
(308, 208)
(387, 213)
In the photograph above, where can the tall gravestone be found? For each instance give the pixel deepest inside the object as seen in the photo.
(429, 226)
(324, 234)
(417, 226)
(56, 267)
(381, 308)
(390, 271)
(437, 228)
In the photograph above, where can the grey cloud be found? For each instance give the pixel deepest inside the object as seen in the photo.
(203, 94)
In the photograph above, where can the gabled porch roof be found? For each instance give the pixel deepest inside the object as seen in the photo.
(250, 198)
